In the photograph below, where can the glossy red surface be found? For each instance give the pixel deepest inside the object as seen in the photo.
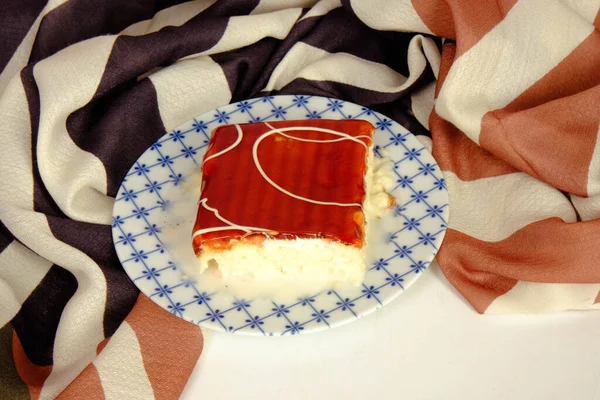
(327, 172)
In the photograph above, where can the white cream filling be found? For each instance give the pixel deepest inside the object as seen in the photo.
(307, 260)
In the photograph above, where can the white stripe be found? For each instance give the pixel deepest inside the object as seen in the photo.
(75, 178)
(588, 208)
(81, 325)
(16, 174)
(21, 56)
(268, 6)
(509, 59)
(189, 87)
(420, 51)
(389, 15)
(322, 8)
(593, 186)
(422, 103)
(173, 16)
(588, 9)
(9, 303)
(492, 209)
(432, 53)
(533, 297)
(121, 367)
(305, 61)
(245, 30)
(21, 270)
(16, 181)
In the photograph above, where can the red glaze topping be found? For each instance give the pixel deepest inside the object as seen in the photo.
(307, 166)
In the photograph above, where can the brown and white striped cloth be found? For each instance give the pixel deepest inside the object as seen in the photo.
(87, 86)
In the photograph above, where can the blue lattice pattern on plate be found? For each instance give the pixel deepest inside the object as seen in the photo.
(417, 224)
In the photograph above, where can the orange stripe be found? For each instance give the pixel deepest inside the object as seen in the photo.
(436, 15)
(480, 288)
(86, 386)
(33, 375)
(455, 152)
(550, 130)
(448, 56)
(597, 20)
(475, 18)
(452, 149)
(597, 299)
(170, 347)
(547, 251)
(102, 345)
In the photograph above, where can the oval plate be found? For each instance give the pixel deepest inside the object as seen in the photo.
(403, 244)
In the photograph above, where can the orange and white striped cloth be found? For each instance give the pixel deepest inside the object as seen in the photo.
(506, 92)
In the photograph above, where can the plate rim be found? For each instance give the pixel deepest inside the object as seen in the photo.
(372, 308)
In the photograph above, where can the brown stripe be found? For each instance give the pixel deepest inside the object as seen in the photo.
(547, 251)
(248, 69)
(597, 299)
(86, 386)
(118, 128)
(6, 237)
(16, 19)
(57, 29)
(42, 200)
(340, 31)
(123, 118)
(401, 109)
(11, 386)
(33, 375)
(550, 130)
(167, 344)
(395, 105)
(436, 14)
(475, 18)
(597, 20)
(37, 320)
(133, 56)
(96, 242)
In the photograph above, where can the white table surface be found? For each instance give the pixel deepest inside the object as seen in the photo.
(427, 344)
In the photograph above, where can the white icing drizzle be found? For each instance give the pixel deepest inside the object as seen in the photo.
(343, 136)
(230, 225)
(238, 140)
(248, 229)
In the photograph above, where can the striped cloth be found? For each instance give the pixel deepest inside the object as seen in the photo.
(86, 87)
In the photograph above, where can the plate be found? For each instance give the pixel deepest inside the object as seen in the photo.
(157, 202)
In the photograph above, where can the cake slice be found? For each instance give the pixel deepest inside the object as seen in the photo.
(285, 200)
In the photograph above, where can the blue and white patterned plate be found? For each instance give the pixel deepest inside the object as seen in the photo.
(157, 202)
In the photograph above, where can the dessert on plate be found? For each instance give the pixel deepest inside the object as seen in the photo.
(288, 199)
